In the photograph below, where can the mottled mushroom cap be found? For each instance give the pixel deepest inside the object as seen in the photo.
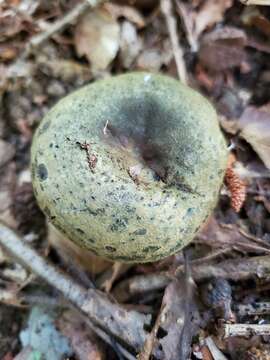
(149, 175)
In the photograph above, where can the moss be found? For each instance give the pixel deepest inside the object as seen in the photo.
(149, 120)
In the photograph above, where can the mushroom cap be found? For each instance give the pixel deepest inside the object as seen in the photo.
(149, 175)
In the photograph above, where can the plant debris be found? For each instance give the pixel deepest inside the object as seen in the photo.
(216, 304)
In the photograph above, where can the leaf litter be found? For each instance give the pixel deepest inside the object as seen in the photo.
(226, 49)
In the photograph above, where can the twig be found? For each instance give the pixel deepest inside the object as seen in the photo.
(140, 284)
(59, 25)
(246, 330)
(258, 308)
(212, 256)
(146, 352)
(216, 353)
(114, 319)
(250, 236)
(188, 25)
(166, 8)
(256, 2)
(236, 269)
(106, 338)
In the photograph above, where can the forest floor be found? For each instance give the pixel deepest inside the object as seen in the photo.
(219, 307)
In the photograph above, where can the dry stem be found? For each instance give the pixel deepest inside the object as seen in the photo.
(166, 8)
(258, 308)
(114, 319)
(214, 350)
(246, 330)
(256, 2)
(236, 269)
(59, 25)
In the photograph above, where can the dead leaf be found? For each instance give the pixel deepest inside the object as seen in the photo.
(24, 208)
(179, 320)
(220, 236)
(143, 4)
(130, 44)
(217, 296)
(83, 341)
(252, 16)
(153, 58)
(97, 36)
(254, 125)
(211, 13)
(228, 35)
(128, 12)
(66, 70)
(223, 49)
(205, 353)
(7, 186)
(215, 352)
(114, 273)
(11, 24)
(7, 152)
(8, 51)
(187, 18)
(16, 273)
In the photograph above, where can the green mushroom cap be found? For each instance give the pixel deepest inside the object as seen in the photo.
(129, 167)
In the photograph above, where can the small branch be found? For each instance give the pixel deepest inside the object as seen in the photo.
(112, 318)
(146, 352)
(256, 2)
(59, 25)
(166, 8)
(246, 330)
(214, 350)
(253, 309)
(140, 284)
(188, 25)
(212, 256)
(107, 339)
(236, 269)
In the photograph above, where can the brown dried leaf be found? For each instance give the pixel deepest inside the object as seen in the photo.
(227, 35)
(187, 18)
(130, 44)
(153, 58)
(97, 36)
(83, 341)
(8, 51)
(221, 236)
(211, 13)
(7, 186)
(66, 70)
(179, 320)
(114, 273)
(10, 24)
(223, 49)
(215, 352)
(128, 12)
(143, 4)
(218, 57)
(254, 125)
(7, 151)
(252, 16)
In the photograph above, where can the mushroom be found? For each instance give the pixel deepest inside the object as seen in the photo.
(129, 167)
